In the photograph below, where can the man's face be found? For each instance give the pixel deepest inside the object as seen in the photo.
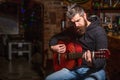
(80, 23)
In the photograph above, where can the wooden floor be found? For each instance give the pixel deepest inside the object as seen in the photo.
(18, 69)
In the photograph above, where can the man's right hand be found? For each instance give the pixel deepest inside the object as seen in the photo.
(59, 48)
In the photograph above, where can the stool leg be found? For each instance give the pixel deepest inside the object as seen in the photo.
(29, 54)
(9, 52)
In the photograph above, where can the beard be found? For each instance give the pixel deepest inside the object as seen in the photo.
(81, 29)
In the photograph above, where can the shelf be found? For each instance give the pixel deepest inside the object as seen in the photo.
(113, 10)
(110, 8)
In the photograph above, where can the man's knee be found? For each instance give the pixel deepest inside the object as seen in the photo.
(91, 78)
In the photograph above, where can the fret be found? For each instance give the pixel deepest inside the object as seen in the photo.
(74, 55)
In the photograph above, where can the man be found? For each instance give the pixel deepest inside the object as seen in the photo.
(91, 36)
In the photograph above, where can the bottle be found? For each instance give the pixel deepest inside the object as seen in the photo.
(63, 22)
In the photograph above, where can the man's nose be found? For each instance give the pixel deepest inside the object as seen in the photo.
(76, 24)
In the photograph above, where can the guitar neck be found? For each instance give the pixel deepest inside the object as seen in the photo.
(74, 55)
(96, 54)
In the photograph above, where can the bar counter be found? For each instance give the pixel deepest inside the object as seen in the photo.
(113, 41)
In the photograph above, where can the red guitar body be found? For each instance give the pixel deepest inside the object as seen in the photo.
(67, 63)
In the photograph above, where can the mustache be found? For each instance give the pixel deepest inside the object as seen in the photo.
(78, 29)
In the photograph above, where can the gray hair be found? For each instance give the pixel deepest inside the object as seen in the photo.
(74, 9)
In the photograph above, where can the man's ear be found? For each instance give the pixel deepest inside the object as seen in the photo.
(85, 15)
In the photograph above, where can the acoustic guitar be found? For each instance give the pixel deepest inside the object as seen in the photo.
(73, 56)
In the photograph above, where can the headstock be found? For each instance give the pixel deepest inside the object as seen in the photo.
(102, 53)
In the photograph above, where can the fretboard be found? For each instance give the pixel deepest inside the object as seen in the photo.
(74, 55)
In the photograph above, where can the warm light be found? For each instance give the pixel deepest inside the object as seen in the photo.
(1, 1)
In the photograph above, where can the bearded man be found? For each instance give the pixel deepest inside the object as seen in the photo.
(87, 32)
